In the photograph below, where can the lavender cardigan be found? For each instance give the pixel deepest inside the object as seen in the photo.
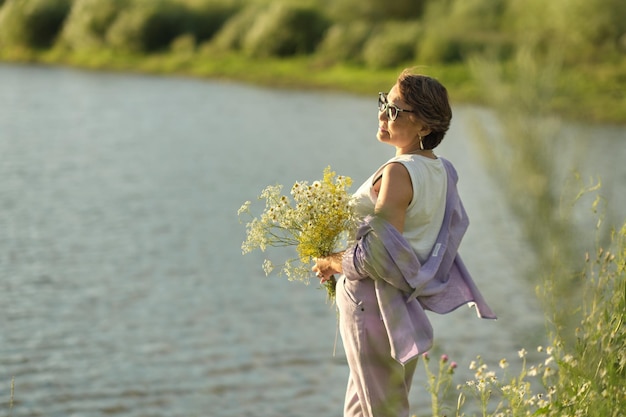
(405, 287)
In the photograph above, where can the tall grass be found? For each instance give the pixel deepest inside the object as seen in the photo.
(521, 155)
(12, 396)
(581, 282)
(580, 378)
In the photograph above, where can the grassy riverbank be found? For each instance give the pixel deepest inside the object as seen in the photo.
(591, 94)
(578, 47)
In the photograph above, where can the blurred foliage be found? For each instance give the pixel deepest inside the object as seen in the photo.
(142, 25)
(343, 42)
(206, 17)
(525, 144)
(393, 44)
(583, 30)
(147, 25)
(457, 30)
(32, 23)
(232, 34)
(87, 25)
(587, 36)
(285, 30)
(375, 10)
(451, 30)
(585, 311)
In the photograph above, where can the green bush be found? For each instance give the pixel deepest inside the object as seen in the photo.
(376, 10)
(578, 30)
(442, 46)
(32, 23)
(393, 44)
(458, 29)
(183, 44)
(88, 23)
(285, 30)
(232, 33)
(207, 17)
(439, 47)
(148, 25)
(345, 41)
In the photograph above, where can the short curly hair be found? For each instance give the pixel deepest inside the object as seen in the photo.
(429, 100)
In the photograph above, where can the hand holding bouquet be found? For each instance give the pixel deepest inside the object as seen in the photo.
(315, 219)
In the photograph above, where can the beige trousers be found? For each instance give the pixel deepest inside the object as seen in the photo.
(378, 385)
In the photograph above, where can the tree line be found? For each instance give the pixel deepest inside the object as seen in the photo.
(364, 32)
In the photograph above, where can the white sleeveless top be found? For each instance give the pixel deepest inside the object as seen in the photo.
(424, 214)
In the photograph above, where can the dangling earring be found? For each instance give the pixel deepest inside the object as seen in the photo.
(421, 143)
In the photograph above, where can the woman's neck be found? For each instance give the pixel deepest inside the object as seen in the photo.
(427, 153)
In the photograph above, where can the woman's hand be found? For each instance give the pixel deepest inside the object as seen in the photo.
(325, 267)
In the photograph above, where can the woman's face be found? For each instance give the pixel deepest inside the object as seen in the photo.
(404, 132)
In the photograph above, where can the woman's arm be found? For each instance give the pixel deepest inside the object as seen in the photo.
(395, 195)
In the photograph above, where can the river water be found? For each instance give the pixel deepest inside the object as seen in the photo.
(122, 284)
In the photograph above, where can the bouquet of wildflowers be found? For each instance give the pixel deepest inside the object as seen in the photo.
(315, 219)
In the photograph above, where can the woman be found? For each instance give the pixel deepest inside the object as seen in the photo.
(405, 257)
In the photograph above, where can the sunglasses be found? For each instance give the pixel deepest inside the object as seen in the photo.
(385, 106)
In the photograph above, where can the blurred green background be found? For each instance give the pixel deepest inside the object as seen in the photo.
(352, 45)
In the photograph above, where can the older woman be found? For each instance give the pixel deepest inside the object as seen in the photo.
(405, 258)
